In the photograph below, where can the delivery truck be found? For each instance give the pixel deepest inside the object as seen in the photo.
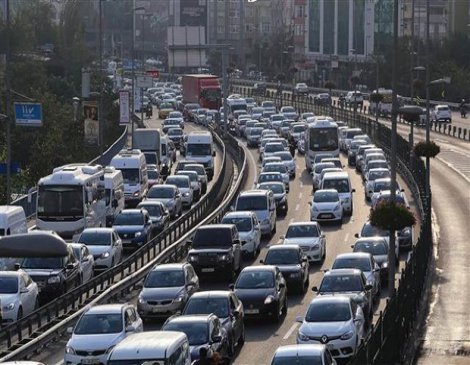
(202, 89)
(148, 141)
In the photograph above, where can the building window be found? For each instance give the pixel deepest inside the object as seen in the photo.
(220, 28)
(266, 27)
(299, 11)
(298, 29)
(234, 28)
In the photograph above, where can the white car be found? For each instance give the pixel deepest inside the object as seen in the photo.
(18, 295)
(364, 262)
(335, 321)
(301, 88)
(303, 354)
(288, 160)
(326, 206)
(309, 237)
(289, 112)
(195, 183)
(104, 244)
(379, 186)
(271, 148)
(271, 176)
(249, 230)
(278, 167)
(98, 330)
(184, 186)
(371, 176)
(316, 172)
(86, 260)
(169, 195)
(441, 113)
(269, 160)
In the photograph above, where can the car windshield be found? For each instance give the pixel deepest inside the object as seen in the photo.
(243, 224)
(299, 128)
(129, 220)
(153, 174)
(99, 324)
(361, 263)
(197, 333)
(321, 166)
(8, 285)
(328, 312)
(340, 185)
(273, 147)
(297, 360)
(175, 132)
(179, 182)
(325, 197)
(288, 109)
(154, 210)
(252, 203)
(47, 263)
(199, 169)
(282, 257)
(158, 192)
(255, 280)
(95, 238)
(284, 156)
(382, 185)
(275, 188)
(130, 176)
(370, 231)
(213, 237)
(164, 279)
(341, 283)
(218, 306)
(378, 174)
(374, 248)
(269, 177)
(308, 230)
(198, 149)
(275, 168)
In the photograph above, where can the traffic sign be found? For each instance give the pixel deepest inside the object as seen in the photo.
(154, 73)
(28, 114)
(144, 81)
(14, 168)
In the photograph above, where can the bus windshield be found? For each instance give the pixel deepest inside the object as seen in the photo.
(60, 201)
(323, 139)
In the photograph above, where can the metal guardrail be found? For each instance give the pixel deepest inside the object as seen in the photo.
(14, 339)
(29, 204)
(394, 330)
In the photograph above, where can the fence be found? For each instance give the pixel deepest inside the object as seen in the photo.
(393, 331)
(24, 336)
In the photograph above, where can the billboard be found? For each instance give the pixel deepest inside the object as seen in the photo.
(193, 13)
(92, 127)
(186, 47)
(124, 107)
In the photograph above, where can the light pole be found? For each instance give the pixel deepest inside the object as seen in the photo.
(76, 104)
(100, 75)
(8, 100)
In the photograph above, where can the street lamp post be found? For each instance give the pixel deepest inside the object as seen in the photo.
(100, 75)
(8, 100)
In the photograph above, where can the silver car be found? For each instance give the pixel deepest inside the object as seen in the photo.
(288, 160)
(166, 290)
(195, 183)
(316, 172)
(104, 244)
(278, 167)
(168, 195)
(86, 260)
(184, 186)
(309, 237)
(249, 230)
(371, 176)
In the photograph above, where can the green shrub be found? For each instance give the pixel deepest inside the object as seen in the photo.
(392, 216)
(427, 149)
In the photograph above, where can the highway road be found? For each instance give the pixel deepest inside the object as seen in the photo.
(258, 333)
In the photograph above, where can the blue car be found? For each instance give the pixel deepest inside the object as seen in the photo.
(202, 330)
(134, 227)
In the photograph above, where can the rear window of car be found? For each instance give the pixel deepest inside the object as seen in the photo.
(214, 237)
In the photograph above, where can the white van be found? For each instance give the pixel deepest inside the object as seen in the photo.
(152, 347)
(114, 193)
(341, 182)
(132, 164)
(199, 148)
(262, 203)
(12, 220)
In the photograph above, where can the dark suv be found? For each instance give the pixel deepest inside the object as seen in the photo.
(216, 249)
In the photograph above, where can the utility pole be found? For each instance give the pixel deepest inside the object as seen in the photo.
(393, 167)
(133, 77)
(428, 121)
(142, 69)
(100, 75)
(241, 50)
(8, 100)
(225, 86)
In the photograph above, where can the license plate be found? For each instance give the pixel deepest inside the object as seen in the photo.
(251, 311)
(90, 361)
(157, 310)
(208, 269)
(126, 242)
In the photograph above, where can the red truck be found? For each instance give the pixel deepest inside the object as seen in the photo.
(202, 89)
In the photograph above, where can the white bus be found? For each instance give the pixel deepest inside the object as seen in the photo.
(71, 199)
(385, 106)
(321, 136)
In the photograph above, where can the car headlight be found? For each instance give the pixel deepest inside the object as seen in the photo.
(302, 337)
(185, 194)
(347, 335)
(141, 300)
(315, 246)
(138, 234)
(9, 307)
(180, 297)
(53, 280)
(225, 257)
(406, 232)
(269, 299)
(136, 194)
(193, 258)
(369, 282)
(104, 255)
(338, 206)
(69, 350)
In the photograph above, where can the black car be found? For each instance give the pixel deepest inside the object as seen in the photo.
(292, 263)
(263, 292)
(158, 213)
(202, 330)
(216, 249)
(225, 305)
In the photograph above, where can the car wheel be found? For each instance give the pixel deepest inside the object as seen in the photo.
(231, 348)
(241, 339)
(277, 315)
(20, 313)
(323, 257)
(284, 307)
(307, 284)
(36, 304)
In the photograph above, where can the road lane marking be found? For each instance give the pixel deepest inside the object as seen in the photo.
(300, 195)
(346, 237)
(301, 184)
(297, 207)
(291, 330)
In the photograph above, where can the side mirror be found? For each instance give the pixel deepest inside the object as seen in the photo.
(231, 286)
(69, 267)
(368, 287)
(282, 285)
(150, 222)
(353, 190)
(299, 319)
(371, 192)
(304, 259)
(217, 339)
(189, 243)
(85, 259)
(69, 330)
(236, 314)
(315, 289)
(261, 261)
(17, 266)
(356, 235)
(236, 242)
(213, 153)
(24, 291)
(244, 243)
(115, 203)
(352, 246)
(309, 203)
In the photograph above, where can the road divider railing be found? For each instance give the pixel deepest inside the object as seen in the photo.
(286, 98)
(28, 335)
(394, 333)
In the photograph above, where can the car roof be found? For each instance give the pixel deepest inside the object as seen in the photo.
(306, 223)
(131, 211)
(343, 272)
(259, 268)
(191, 318)
(98, 230)
(351, 255)
(284, 247)
(150, 202)
(106, 308)
(216, 226)
(172, 266)
(7, 273)
(300, 350)
(339, 174)
(326, 191)
(330, 299)
(212, 294)
(254, 192)
(240, 213)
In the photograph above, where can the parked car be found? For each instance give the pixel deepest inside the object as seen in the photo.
(166, 290)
